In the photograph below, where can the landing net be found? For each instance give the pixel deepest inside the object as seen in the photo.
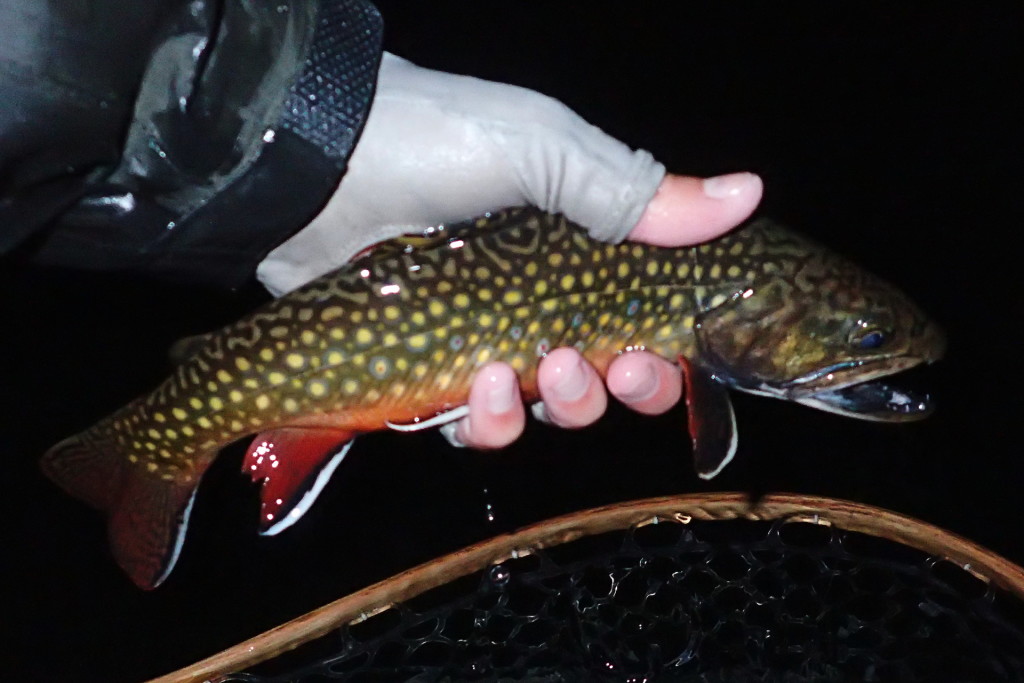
(686, 589)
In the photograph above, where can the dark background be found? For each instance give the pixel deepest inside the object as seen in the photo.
(890, 132)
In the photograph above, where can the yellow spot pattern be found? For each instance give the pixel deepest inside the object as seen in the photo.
(468, 307)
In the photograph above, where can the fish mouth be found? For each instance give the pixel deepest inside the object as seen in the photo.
(855, 390)
(875, 401)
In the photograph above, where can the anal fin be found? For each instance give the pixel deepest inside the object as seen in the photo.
(711, 420)
(293, 464)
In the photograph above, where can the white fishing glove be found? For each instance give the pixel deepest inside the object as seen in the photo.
(440, 148)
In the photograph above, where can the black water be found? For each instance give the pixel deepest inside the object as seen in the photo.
(890, 133)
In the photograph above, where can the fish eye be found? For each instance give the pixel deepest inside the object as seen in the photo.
(874, 339)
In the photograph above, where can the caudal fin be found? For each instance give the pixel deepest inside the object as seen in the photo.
(147, 515)
(87, 472)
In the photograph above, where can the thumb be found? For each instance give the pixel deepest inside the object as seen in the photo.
(688, 210)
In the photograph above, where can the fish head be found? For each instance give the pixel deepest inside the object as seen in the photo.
(820, 331)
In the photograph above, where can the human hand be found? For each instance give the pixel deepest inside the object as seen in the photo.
(441, 148)
(685, 210)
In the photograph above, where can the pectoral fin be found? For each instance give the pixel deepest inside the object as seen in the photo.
(293, 464)
(712, 422)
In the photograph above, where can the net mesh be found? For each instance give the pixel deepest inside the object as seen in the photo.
(704, 601)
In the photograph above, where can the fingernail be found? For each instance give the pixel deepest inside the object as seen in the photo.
(501, 396)
(640, 385)
(572, 382)
(727, 186)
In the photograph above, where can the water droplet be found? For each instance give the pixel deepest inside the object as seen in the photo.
(155, 146)
(500, 576)
(197, 49)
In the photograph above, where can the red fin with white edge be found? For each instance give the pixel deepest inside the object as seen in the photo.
(711, 420)
(147, 528)
(147, 515)
(293, 464)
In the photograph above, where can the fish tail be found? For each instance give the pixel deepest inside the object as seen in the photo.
(85, 469)
(146, 515)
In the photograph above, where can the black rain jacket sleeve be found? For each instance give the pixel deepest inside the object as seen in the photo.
(183, 138)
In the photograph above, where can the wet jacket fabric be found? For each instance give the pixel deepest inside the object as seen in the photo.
(182, 138)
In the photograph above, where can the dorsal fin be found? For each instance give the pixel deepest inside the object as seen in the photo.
(186, 347)
(433, 237)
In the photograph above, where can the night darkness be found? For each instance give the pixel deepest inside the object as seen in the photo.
(892, 134)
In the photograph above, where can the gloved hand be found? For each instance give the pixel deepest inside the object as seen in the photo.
(440, 148)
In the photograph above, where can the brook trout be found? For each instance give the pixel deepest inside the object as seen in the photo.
(393, 339)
